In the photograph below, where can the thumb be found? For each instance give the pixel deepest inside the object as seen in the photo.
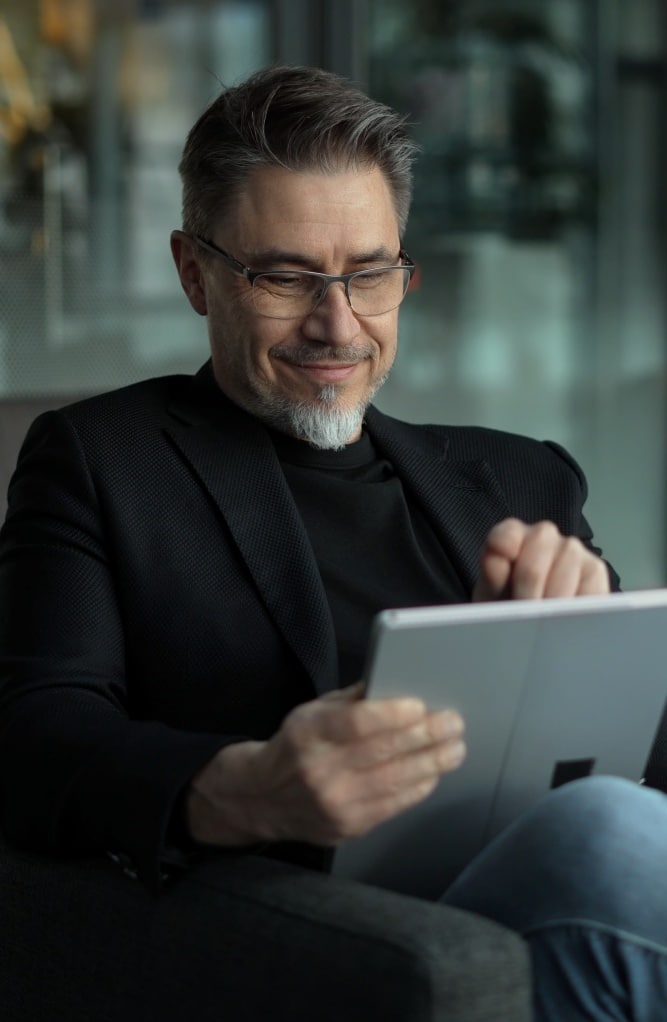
(349, 694)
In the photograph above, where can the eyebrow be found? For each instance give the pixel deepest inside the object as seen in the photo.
(268, 257)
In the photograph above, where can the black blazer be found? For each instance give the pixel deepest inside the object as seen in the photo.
(159, 596)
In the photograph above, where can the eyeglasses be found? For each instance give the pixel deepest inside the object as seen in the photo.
(293, 294)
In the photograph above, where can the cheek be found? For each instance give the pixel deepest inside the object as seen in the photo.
(271, 333)
(256, 348)
(387, 340)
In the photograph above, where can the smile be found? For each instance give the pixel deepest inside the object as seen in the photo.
(324, 366)
(326, 370)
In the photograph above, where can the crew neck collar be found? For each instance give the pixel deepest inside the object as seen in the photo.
(298, 452)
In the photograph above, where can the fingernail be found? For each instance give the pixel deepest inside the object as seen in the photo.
(452, 724)
(458, 754)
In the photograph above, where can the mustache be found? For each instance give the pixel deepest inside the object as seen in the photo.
(306, 353)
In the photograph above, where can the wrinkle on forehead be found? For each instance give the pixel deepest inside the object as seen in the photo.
(288, 209)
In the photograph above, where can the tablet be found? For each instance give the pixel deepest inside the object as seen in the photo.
(551, 690)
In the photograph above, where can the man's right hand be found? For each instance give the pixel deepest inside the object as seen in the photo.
(337, 767)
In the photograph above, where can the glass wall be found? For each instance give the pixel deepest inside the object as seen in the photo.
(95, 103)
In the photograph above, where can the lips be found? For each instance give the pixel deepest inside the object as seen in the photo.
(325, 366)
(324, 355)
(327, 371)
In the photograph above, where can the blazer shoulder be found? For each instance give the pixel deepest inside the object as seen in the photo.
(475, 436)
(146, 396)
(115, 417)
(464, 442)
(122, 428)
(483, 439)
(515, 459)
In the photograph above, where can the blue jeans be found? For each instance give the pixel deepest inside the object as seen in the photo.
(583, 877)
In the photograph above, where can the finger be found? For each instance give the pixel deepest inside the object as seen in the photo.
(341, 722)
(417, 766)
(594, 579)
(441, 728)
(506, 538)
(574, 570)
(362, 816)
(501, 549)
(571, 562)
(389, 789)
(565, 575)
(349, 694)
(534, 563)
(495, 574)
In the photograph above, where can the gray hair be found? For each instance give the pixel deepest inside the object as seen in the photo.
(298, 118)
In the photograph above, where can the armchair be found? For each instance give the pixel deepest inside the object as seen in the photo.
(246, 939)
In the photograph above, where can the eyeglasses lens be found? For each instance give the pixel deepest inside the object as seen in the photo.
(297, 293)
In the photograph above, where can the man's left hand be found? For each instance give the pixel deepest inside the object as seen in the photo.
(524, 562)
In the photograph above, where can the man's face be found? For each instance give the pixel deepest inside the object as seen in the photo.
(331, 223)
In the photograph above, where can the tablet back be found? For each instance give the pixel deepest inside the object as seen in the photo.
(550, 690)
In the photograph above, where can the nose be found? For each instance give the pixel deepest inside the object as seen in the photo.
(332, 321)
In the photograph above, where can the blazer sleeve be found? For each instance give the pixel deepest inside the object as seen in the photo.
(77, 774)
(583, 529)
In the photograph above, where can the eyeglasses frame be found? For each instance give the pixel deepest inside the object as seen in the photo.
(327, 278)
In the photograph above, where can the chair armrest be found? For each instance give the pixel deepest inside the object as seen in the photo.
(244, 938)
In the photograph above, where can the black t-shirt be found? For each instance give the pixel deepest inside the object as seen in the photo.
(373, 544)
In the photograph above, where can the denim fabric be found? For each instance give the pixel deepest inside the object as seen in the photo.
(583, 877)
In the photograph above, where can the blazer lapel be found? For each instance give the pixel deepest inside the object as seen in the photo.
(463, 499)
(232, 454)
(234, 458)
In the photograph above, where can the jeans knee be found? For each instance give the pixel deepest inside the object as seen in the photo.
(591, 850)
(599, 846)
(600, 813)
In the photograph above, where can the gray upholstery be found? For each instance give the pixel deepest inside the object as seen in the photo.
(246, 939)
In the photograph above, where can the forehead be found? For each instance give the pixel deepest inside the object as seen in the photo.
(284, 208)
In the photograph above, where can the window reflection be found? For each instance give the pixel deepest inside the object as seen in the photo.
(537, 227)
(502, 103)
(95, 102)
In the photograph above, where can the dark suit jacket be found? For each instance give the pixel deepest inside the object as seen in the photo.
(159, 596)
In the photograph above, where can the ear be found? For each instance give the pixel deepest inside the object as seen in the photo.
(184, 251)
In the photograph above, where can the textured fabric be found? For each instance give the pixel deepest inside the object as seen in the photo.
(582, 877)
(373, 549)
(16, 416)
(243, 939)
(151, 610)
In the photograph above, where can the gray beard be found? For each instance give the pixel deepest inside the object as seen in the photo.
(321, 423)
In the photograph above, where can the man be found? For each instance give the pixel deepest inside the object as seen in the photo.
(191, 565)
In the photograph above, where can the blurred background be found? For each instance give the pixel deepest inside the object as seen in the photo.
(538, 220)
